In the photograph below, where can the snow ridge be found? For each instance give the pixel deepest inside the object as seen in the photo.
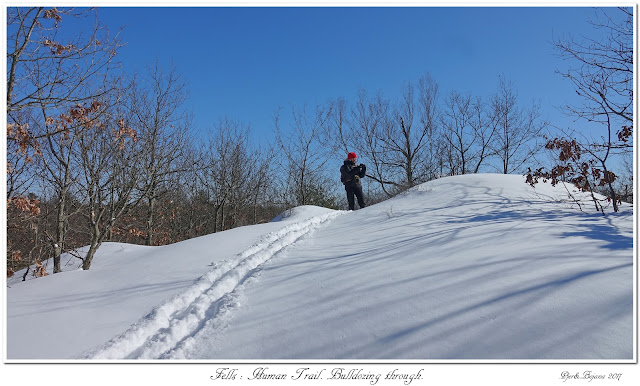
(183, 316)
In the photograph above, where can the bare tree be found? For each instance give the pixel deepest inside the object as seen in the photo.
(60, 167)
(111, 171)
(603, 78)
(304, 156)
(484, 127)
(517, 129)
(163, 130)
(399, 138)
(226, 172)
(368, 117)
(261, 184)
(191, 195)
(469, 133)
(51, 89)
(457, 130)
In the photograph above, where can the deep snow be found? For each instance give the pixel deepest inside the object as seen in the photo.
(468, 267)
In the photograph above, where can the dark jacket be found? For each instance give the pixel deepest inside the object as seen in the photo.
(350, 174)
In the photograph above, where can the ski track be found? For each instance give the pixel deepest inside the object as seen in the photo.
(168, 328)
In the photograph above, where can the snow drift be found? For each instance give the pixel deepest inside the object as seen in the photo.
(468, 267)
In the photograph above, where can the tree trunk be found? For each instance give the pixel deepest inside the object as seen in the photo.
(93, 247)
(612, 192)
(60, 235)
(150, 219)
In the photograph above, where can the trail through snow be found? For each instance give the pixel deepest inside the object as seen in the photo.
(173, 325)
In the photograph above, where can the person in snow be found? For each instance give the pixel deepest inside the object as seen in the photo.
(350, 175)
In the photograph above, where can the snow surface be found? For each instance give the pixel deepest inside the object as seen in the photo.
(469, 267)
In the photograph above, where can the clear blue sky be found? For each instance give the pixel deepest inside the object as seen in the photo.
(246, 62)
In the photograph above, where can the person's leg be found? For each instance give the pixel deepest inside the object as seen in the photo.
(350, 198)
(360, 197)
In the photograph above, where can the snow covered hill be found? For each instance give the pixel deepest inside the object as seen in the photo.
(467, 267)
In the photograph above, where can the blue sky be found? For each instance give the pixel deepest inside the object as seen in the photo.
(246, 62)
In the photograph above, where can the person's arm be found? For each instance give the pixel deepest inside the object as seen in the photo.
(363, 170)
(352, 172)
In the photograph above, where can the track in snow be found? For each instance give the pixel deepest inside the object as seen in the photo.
(170, 325)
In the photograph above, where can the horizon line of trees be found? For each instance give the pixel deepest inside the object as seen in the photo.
(95, 154)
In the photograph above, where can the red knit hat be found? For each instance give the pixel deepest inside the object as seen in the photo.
(352, 156)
